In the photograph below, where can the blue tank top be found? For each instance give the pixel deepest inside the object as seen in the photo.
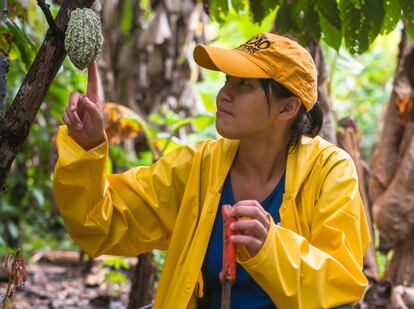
(245, 292)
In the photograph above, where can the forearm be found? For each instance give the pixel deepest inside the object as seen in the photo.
(123, 214)
(296, 274)
(78, 186)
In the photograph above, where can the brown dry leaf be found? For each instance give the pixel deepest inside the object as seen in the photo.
(121, 123)
(405, 106)
(8, 303)
(158, 29)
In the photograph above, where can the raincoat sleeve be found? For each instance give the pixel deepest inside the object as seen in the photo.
(326, 270)
(119, 214)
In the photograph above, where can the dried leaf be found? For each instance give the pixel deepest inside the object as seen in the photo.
(121, 123)
(157, 31)
(405, 106)
(8, 303)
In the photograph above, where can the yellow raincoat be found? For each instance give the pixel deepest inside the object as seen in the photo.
(313, 259)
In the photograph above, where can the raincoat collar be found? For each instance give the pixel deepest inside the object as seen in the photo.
(300, 162)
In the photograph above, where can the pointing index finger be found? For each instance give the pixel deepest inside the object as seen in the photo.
(92, 91)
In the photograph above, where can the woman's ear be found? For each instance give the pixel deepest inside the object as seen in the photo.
(289, 108)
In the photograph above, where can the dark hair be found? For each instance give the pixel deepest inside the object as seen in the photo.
(307, 122)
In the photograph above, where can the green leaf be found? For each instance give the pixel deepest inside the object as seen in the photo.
(392, 16)
(331, 35)
(116, 277)
(117, 262)
(374, 11)
(312, 24)
(361, 25)
(282, 21)
(126, 19)
(299, 20)
(408, 16)
(219, 9)
(356, 3)
(260, 9)
(23, 43)
(329, 10)
(13, 230)
(38, 195)
(201, 123)
(238, 5)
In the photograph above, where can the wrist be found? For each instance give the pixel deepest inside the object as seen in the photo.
(89, 146)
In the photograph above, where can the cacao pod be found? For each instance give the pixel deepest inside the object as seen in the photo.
(83, 37)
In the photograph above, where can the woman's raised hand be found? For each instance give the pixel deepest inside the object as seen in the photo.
(84, 116)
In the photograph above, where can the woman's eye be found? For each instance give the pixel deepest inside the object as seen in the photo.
(243, 81)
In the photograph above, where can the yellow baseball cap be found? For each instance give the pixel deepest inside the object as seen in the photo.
(266, 55)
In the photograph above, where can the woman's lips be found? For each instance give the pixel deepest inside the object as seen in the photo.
(222, 111)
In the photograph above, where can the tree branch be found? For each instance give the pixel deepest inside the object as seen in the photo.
(14, 128)
(45, 8)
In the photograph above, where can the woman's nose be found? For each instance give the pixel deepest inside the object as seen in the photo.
(225, 94)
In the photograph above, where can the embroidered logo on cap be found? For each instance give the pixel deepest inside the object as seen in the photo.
(255, 44)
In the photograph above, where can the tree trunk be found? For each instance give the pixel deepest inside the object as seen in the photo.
(400, 271)
(391, 186)
(143, 279)
(14, 128)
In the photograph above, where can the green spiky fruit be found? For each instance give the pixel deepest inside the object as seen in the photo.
(83, 40)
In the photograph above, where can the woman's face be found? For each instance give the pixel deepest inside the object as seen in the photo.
(243, 110)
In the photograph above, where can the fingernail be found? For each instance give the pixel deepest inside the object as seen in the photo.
(79, 126)
(232, 226)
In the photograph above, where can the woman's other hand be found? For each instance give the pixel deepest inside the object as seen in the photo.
(252, 227)
(84, 116)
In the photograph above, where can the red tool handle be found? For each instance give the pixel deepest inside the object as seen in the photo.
(228, 272)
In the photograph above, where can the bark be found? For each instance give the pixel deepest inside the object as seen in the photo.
(349, 140)
(393, 165)
(143, 279)
(394, 210)
(401, 268)
(391, 186)
(14, 128)
(149, 67)
(387, 155)
(402, 297)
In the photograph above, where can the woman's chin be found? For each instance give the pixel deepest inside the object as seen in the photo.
(226, 133)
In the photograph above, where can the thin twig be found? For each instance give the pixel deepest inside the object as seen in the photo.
(4, 9)
(48, 15)
(4, 68)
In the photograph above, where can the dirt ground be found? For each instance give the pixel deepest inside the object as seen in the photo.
(64, 284)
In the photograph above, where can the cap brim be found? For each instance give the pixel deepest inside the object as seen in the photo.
(229, 61)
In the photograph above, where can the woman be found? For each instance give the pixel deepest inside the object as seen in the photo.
(303, 233)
